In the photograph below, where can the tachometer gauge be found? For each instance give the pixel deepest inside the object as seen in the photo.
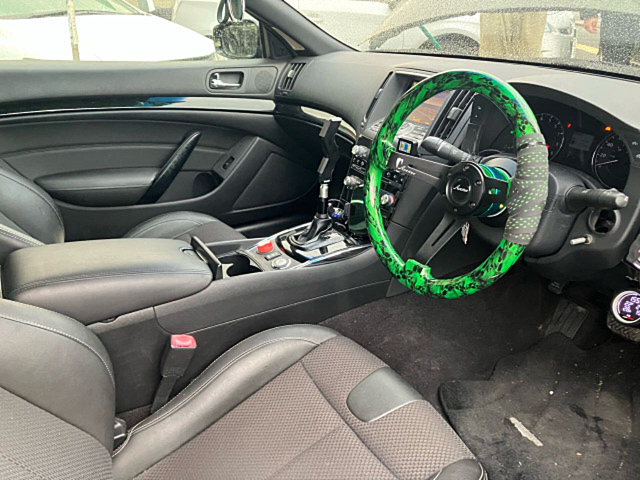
(553, 132)
(610, 163)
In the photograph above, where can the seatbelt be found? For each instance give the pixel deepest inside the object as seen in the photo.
(175, 361)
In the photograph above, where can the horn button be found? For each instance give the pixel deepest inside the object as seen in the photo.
(465, 189)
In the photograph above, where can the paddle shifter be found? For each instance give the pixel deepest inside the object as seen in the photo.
(321, 221)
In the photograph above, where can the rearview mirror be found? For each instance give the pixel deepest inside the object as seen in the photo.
(237, 39)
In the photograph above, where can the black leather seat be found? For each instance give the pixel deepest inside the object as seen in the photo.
(29, 217)
(292, 402)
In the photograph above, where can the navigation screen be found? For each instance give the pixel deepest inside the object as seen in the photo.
(426, 113)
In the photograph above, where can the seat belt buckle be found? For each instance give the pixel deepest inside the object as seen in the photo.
(178, 355)
(175, 361)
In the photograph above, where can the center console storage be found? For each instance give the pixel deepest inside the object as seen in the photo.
(102, 279)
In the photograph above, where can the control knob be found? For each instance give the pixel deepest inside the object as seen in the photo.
(352, 182)
(387, 199)
(360, 151)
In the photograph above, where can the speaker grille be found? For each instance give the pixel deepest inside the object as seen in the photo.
(263, 81)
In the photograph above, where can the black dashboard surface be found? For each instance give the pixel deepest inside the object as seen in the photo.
(345, 82)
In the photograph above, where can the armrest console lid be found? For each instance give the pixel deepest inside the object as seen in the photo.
(98, 280)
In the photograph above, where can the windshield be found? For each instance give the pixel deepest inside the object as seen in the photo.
(44, 8)
(597, 35)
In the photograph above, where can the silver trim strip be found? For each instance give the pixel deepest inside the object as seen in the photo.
(185, 103)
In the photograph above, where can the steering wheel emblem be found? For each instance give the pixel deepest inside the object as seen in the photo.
(471, 188)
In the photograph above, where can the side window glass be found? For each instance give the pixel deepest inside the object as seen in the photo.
(108, 30)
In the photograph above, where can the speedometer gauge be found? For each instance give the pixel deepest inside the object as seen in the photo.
(610, 162)
(553, 132)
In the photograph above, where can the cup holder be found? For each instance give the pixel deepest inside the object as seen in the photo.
(235, 265)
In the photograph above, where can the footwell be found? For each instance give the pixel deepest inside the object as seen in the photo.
(578, 404)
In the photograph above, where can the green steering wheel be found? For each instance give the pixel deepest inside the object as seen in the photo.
(471, 188)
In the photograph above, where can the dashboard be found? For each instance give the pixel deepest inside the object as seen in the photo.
(590, 122)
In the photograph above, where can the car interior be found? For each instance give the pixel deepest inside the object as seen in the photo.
(318, 262)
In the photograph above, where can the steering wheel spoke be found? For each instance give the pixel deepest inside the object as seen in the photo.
(431, 172)
(446, 229)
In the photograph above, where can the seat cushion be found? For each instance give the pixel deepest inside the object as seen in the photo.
(293, 402)
(183, 226)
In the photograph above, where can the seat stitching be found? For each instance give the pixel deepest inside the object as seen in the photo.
(142, 426)
(153, 225)
(346, 422)
(10, 232)
(482, 472)
(29, 187)
(57, 313)
(73, 278)
(66, 335)
(192, 229)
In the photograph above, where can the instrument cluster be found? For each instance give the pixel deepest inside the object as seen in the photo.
(577, 140)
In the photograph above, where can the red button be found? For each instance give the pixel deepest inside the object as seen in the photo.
(265, 246)
(183, 341)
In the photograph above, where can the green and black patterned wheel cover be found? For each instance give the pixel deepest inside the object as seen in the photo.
(527, 193)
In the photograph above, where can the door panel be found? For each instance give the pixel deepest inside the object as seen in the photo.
(244, 169)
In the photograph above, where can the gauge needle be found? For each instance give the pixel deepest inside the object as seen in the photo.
(606, 163)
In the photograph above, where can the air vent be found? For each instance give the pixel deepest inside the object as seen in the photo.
(450, 115)
(291, 76)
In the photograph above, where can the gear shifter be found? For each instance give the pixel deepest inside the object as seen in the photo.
(321, 221)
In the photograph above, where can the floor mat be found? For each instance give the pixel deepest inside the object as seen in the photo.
(429, 341)
(553, 412)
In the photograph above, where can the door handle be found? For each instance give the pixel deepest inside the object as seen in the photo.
(170, 171)
(217, 82)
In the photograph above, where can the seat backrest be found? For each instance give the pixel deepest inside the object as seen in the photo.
(28, 215)
(57, 397)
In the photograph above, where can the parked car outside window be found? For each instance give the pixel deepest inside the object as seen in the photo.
(103, 30)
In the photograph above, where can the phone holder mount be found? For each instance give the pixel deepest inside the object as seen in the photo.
(322, 222)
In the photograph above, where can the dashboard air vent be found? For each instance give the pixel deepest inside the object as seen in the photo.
(291, 76)
(449, 117)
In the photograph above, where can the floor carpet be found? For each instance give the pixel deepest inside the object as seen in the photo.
(429, 341)
(553, 412)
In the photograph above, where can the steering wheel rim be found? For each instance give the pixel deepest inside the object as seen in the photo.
(527, 191)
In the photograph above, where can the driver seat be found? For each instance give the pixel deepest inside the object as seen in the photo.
(294, 402)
